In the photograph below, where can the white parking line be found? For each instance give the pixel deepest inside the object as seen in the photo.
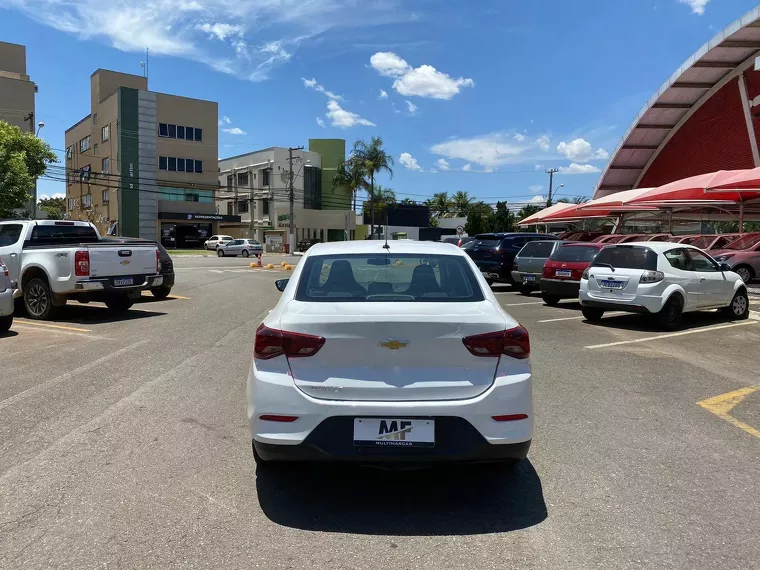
(216, 271)
(671, 335)
(521, 304)
(617, 314)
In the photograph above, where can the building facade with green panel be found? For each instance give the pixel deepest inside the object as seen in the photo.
(333, 153)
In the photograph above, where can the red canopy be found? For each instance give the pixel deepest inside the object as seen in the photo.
(692, 189)
(745, 180)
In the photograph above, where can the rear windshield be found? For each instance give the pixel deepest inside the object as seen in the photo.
(702, 242)
(388, 277)
(745, 242)
(627, 257)
(537, 249)
(488, 242)
(62, 234)
(575, 253)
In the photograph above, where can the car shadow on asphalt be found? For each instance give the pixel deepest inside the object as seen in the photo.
(451, 500)
(92, 315)
(8, 334)
(151, 299)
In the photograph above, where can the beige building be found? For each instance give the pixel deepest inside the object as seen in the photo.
(16, 89)
(144, 164)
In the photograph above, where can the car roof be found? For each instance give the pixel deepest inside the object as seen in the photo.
(656, 246)
(594, 244)
(377, 246)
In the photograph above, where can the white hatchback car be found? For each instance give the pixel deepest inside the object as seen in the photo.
(389, 353)
(663, 279)
(214, 241)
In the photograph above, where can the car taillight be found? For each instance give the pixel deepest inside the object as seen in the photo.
(271, 343)
(513, 342)
(584, 275)
(547, 271)
(651, 277)
(158, 261)
(82, 263)
(5, 269)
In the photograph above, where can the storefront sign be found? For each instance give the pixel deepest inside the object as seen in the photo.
(198, 217)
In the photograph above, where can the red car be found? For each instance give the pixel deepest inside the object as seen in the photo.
(561, 276)
(707, 243)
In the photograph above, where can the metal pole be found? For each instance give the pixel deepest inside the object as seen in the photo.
(372, 205)
(741, 217)
(291, 225)
(550, 172)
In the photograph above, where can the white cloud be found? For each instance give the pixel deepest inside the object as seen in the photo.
(422, 81)
(312, 84)
(383, 94)
(49, 196)
(519, 137)
(543, 143)
(537, 200)
(412, 108)
(580, 150)
(538, 166)
(467, 167)
(535, 188)
(264, 35)
(234, 131)
(225, 121)
(697, 6)
(409, 161)
(576, 168)
(433, 171)
(443, 164)
(488, 151)
(343, 119)
(320, 122)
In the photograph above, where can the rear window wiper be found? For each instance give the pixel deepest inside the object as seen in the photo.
(600, 264)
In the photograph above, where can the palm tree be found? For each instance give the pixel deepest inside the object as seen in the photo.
(374, 160)
(351, 175)
(439, 204)
(461, 202)
(408, 202)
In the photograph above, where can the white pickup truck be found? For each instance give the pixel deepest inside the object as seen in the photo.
(51, 261)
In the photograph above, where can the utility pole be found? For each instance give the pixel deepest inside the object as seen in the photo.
(292, 225)
(551, 172)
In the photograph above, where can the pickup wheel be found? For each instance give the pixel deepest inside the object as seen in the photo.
(160, 292)
(119, 304)
(5, 323)
(38, 299)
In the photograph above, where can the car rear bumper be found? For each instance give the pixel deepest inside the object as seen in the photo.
(139, 283)
(523, 277)
(561, 287)
(639, 304)
(457, 441)
(168, 280)
(6, 303)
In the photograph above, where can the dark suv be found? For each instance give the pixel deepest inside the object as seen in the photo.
(494, 254)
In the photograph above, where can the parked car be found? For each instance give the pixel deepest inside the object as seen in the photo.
(657, 237)
(562, 272)
(583, 236)
(494, 254)
(327, 382)
(245, 247)
(661, 279)
(214, 241)
(6, 299)
(742, 255)
(52, 261)
(713, 242)
(529, 263)
(305, 244)
(458, 241)
(166, 265)
(684, 239)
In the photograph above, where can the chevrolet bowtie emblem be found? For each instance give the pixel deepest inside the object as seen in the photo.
(125, 262)
(393, 343)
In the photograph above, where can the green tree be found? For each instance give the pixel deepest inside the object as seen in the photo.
(528, 210)
(23, 158)
(439, 205)
(55, 208)
(461, 202)
(503, 220)
(381, 198)
(351, 175)
(408, 202)
(373, 160)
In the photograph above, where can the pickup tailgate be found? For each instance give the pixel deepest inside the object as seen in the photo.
(108, 260)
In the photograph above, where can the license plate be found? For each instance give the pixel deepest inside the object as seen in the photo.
(530, 278)
(563, 273)
(609, 284)
(123, 282)
(394, 432)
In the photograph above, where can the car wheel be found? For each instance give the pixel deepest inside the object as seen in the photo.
(526, 289)
(5, 323)
(744, 272)
(219, 253)
(550, 300)
(160, 292)
(739, 307)
(245, 253)
(669, 317)
(38, 299)
(592, 314)
(119, 304)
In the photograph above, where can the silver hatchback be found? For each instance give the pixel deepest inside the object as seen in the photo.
(529, 263)
(244, 247)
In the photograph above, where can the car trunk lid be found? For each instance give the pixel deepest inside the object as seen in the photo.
(122, 260)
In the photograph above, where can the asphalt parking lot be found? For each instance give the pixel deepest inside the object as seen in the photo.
(124, 443)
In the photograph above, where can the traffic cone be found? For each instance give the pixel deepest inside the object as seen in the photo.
(258, 261)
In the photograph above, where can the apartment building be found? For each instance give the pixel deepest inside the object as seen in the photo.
(144, 164)
(16, 88)
(255, 187)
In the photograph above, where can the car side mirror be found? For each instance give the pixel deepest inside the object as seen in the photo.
(725, 267)
(281, 284)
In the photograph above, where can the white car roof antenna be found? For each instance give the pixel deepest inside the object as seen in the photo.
(386, 246)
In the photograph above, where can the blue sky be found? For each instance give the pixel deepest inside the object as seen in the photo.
(481, 97)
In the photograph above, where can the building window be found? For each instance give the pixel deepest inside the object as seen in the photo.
(180, 165)
(84, 173)
(172, 131)
(229, 183)
(163, 130)
(188, 133)
(198, 135)
(180, 132)
(162, 163)
(95, 149)
(94, 118)
(105, 133)
(105, 196)
(69, 152)
(175, 164)
(265, 177)
(265, 207)
(87, 201)
(243, 206)
(84, 144)
(172, 164)
(106, 165)
(199, 167)
(71, 204)
(229, 208)
(192, 197)
(242, 180)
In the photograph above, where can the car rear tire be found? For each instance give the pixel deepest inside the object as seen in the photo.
(592, 314)
(245, 253)
(551, 300)
(739, 307)
(744, 272)
(5, 323)
(119, 303)
(160, 292)
(219, 253)
(38, 299)
(526, 289)
(669, 317)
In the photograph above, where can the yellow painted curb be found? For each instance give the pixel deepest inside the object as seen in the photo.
(253, 265)
(288, 267)
(270, 266)
(283, 264)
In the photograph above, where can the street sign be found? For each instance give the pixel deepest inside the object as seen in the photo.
(460, 230)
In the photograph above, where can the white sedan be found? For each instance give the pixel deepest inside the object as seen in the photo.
(395, 353)
(663, 279)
